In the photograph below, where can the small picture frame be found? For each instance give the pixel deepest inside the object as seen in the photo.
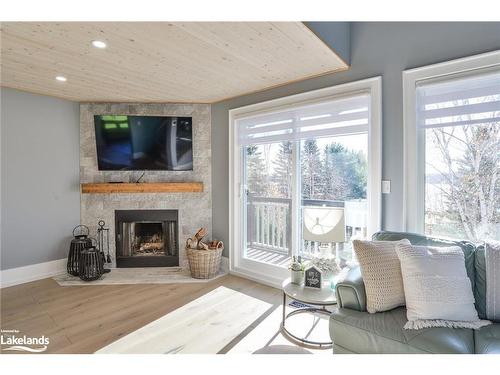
(312, 278)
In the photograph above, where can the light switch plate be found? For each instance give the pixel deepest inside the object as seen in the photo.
(386, 186)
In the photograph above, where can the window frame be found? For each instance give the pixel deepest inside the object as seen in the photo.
(414, 142)
(266, 273)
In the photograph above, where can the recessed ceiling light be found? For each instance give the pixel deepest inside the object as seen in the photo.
(61, 79)
(98, 44)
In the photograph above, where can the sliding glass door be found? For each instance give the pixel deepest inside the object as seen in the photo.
(268, 202)
(302, 181)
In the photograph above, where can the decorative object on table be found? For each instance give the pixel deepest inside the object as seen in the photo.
(438, 291)
(204, 258)
(297, 270)
(328, 266)
(103, 240)
(79, 242)
(312, 277)
(90, 264)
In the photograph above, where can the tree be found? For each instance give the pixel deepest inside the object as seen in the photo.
(282, 175)
(470, 179)
(256, 176)
(336, 173)
(345, 173)
(312, 170)
(333, 184)
(357, 175)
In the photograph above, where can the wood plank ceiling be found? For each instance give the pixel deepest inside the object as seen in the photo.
(200, 62)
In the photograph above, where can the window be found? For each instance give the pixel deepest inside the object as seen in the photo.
(453, 148)
(305, 177)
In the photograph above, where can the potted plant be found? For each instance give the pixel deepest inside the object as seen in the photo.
(297, 271)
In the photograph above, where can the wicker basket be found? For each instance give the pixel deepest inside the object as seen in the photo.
(204, 264)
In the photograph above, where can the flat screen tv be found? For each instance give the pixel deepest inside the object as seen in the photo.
(128, 143)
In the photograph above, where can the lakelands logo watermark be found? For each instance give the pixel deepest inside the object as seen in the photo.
(12, 340)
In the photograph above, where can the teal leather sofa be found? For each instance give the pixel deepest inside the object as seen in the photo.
(354, 330)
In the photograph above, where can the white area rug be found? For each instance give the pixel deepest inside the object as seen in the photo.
(149, 275)
(203, 326)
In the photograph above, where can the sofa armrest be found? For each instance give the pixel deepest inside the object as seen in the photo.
(350, 291)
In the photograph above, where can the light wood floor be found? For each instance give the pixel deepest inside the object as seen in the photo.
(83, 319)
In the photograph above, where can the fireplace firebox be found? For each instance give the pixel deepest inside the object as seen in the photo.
(146, 238)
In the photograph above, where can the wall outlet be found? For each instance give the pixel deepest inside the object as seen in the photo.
(386, 186)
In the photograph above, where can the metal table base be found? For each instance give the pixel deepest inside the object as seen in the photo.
(301, 340)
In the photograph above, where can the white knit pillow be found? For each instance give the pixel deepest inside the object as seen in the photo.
(381, 274)
(437, 290)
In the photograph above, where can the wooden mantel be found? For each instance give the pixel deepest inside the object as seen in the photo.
(143, 187)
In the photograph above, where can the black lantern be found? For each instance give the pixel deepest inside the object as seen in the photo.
(91, 264)
(80, 242)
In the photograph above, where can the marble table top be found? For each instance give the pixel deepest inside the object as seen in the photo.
(324, 296)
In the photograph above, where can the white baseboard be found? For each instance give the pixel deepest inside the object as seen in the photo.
(257, 277)
(21, 275)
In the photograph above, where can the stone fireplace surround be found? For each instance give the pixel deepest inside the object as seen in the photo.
(194, 209)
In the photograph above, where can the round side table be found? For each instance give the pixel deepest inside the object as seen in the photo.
(322, 298)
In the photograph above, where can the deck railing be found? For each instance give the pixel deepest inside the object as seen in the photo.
(269, 227)
(269, 223)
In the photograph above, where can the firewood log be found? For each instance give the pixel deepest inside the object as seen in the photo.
(202, 232)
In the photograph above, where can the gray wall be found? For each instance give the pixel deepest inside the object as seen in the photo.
(384, 49)
(40, 177)
(336, 34)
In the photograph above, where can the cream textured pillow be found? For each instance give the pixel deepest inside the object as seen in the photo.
(381, 274)
(437, 289)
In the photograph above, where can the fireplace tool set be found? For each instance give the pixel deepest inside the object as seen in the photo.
(103, 238)
(86, 256)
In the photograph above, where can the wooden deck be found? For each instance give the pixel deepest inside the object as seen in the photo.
(268, 256)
